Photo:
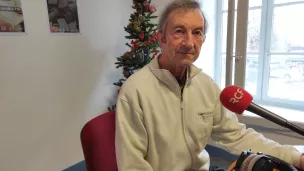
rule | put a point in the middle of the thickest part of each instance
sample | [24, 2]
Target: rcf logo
[238, 95]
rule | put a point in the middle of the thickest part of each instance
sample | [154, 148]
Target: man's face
[183, 36]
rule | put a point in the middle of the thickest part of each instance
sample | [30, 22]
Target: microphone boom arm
[274, 118]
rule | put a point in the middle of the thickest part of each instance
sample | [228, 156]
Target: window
[274, 72]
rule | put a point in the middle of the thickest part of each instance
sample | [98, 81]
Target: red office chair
[98, 143]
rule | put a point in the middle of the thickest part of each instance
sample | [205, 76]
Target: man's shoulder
[202, 76]
[139, 79]
[206, 82]
[140, 75]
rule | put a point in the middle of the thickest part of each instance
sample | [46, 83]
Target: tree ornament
[141, 18]
[141, 36]
[147, 6]
[137, 28]
[125, 73]
[152, 8]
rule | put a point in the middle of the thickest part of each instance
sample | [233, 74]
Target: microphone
[237, 100]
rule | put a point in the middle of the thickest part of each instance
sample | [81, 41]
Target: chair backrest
[98, 143]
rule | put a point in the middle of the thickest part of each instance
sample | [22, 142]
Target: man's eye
[198, 33]
[179, 31]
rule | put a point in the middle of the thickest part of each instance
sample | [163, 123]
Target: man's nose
[188, 40]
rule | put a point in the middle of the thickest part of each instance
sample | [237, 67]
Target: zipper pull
[182, 104]
[202, 115]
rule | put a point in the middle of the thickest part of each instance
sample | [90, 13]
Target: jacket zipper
[183, 124]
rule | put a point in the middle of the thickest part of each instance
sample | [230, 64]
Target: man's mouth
[186, 53]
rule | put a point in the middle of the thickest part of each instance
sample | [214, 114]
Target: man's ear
[160, 38]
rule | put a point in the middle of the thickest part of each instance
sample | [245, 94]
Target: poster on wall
[11, 16]
[63, 16]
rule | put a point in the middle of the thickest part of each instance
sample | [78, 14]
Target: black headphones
[249, 161]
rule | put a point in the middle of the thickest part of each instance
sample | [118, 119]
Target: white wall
[51, 85]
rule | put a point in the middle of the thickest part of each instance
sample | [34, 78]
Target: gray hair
[180, 4]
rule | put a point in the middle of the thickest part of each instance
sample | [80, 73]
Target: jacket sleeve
[130, 138]
[234, 136]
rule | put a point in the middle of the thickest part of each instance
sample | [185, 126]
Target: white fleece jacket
[158, 128]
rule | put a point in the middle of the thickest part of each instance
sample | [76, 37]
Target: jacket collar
[167, 78]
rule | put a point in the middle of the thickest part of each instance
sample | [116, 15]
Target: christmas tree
[143, 45]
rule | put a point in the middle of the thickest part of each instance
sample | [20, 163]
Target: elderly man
[167, 111]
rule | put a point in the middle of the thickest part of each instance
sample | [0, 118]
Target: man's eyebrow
[199, 28]
[179, 26]
[183, 27]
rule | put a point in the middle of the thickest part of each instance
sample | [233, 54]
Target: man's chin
[186, 62]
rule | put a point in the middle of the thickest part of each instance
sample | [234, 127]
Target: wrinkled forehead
[186, 17]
